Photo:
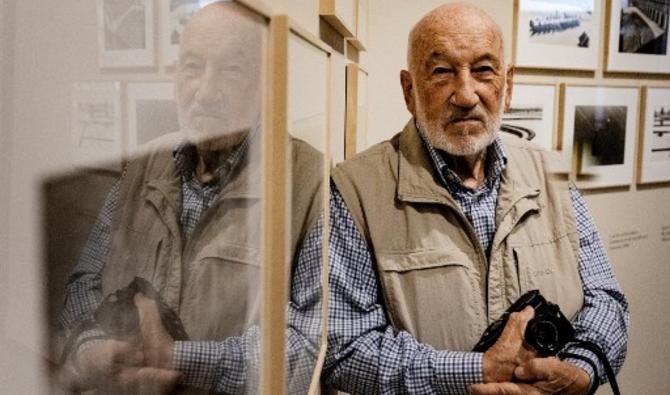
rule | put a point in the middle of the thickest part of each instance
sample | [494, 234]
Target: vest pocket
[551, 268]
[222, 295]
[434, 295]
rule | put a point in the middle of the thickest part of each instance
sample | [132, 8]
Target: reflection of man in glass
[187, 219]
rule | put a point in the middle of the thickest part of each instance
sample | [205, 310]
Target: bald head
[451, 19]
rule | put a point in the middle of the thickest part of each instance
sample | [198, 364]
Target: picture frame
[174, 15]
[308, 88]
[338, 89]
[654, 153]
[151, 112]
[126, 36]
[557, 34]
[96, 127]
[638, 37]
[533, 115]
[341, 15]
[357, 110]
[361, 34]
[599, 128]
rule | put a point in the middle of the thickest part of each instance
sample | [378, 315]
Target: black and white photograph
[96, 124]
[175, 16]
[600, 134]
[560, 34]
[599, 130]
[152, 112]
[655, 152]
[644, 26]
[126, 33]
[560, 22]
[531, 113]
[638, 36]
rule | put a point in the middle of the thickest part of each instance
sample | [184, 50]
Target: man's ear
[408, 91]
[509, 87]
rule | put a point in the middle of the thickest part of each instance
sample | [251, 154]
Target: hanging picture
[558, 34]
[151, 112]
[357, 110]
[599, 129]
[96, 124]
[532, 113]
[638, 36]
[175, 14]
[126, 33]
[340, 14]
[655, 144]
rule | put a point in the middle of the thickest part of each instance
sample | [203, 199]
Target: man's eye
[484, 69]
[442, 70]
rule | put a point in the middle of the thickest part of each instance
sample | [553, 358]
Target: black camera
[117, 315]
[547, 333]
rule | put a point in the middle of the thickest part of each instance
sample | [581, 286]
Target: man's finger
[504, 389]
[516, 324]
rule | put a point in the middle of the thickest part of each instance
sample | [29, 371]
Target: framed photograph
[308, 89]
[151, 112]
[96, 125]
[175, 14]
[654, 159]
[356, 122]
[338, 98]
[361, 36]
[341, 14]
[558, 34]
[638, 36]
[126, 33]
[600, 125]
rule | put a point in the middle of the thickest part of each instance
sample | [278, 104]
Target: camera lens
[543, 335]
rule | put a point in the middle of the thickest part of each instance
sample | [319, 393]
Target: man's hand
[157, 343]
[540, 376]
[509, 351]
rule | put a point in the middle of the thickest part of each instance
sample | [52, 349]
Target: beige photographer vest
[437, 282]
[211, 279]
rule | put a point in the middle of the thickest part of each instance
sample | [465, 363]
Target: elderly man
[437, 231]
[188, 221]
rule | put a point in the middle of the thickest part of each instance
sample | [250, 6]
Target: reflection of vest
[211, 279]
[436, 280]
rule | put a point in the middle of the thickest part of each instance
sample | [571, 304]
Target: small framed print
[175, 15]
[126, 33]
[151, 112]
[638, 36]
[341, 14]
[654, 159]
[599, 129]
[361, 38]
[356, 120]
[96, 125]
[558, 34]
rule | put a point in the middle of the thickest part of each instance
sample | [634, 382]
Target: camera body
[548, 332]
[117, 315]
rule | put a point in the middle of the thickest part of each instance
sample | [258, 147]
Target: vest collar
[418, 181]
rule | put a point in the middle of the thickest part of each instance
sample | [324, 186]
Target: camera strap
[594, 348]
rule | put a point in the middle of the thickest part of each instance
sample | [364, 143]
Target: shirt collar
[185, 156]
[496, 160]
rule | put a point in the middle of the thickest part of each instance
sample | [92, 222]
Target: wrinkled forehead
[222, 27]
[461, 30]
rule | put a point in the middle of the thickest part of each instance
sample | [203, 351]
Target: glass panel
[154, 258]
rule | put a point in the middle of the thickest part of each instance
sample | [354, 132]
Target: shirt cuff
[209, 365]
[582, 364]
[459, 370]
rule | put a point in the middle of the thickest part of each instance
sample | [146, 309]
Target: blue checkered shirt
[229, 366]
[366, 355]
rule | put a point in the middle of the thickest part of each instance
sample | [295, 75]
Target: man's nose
[209, 88]
[464, 94]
